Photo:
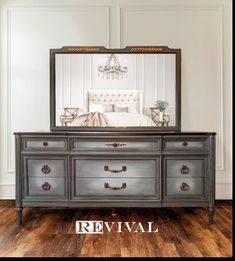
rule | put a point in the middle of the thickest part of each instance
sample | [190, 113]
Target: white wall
[154, 74]
[201, 28]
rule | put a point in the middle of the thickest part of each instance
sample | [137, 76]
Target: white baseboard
[223, 191]
[7, 191]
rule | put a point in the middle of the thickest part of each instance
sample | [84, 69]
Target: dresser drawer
[116, 187]
[46, 187]
[185, 167]
[45, 167]
[116, 167]
[115, 145]
[44, 144]
[180, 187]
[185, 144]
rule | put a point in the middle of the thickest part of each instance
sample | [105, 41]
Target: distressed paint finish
[163, 192]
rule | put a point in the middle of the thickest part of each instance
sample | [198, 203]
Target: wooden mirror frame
[127, 50]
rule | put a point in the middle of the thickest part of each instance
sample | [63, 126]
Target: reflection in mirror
[115, 90]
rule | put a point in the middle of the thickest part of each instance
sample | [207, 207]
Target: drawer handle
[106, 185]
[184, 169]
[115, 145]
[185, 143]
[45, 143]
[46, 186]
[46, 169]
[106, 168]
[184, 186]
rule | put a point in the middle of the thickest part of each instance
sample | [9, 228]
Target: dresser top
[99, 134]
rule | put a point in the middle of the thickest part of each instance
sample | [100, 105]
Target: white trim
[135, 70]
[221, 93]
[7, 191]
[69, 84]
[164, 76]
[143, 83]
[91, 70]
[107, 27]
[156, 78]
[8, 118]
[223, 191]
[119, 26]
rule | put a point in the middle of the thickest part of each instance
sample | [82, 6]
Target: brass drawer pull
[46, 169]
[45, 143]
[106, 185]
[46, 186]
[115, 145]
[184, 169]
[106, 168]
[185, 143]
[184, 186]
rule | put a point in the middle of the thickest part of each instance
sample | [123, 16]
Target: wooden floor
[51, 232]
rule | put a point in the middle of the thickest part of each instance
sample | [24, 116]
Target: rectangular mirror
[131, 89]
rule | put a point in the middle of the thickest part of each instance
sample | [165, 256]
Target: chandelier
[112, 69]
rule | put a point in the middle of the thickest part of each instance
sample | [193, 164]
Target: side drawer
[79, 144]
[116, 187]
[44, 144]
[185, 143]
[44, 167]
[45, 187]
[185, 188]
[116, 167]
[184, 167]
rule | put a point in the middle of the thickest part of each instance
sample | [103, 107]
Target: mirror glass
[115, 90]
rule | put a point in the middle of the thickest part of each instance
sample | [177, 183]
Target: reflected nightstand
[70, 113]
[160, 118]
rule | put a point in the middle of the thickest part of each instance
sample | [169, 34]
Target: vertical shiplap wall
[201, 28]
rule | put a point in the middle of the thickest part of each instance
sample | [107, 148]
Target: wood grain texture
[183, 232]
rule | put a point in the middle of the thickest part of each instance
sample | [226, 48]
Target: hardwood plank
[50, 232]
[202, 237]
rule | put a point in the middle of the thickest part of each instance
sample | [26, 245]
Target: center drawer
[116, 167]
[117, 187]
[79, 144]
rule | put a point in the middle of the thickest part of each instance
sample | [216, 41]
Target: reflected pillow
[131, 107]
[99, 107]
[120, 108]
[108, 107]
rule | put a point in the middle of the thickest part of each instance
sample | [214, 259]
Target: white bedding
[117, 119]
[122, 119]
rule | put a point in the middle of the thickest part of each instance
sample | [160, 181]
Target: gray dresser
[66, 169]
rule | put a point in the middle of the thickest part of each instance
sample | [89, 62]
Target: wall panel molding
[31, 10]
[215, 8]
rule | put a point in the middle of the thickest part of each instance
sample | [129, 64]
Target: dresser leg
[211, 215]
[114, 213]
[19, 215]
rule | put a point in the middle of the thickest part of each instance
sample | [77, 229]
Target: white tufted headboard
[109, 96]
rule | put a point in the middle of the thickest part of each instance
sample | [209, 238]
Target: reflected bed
[116, 108]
